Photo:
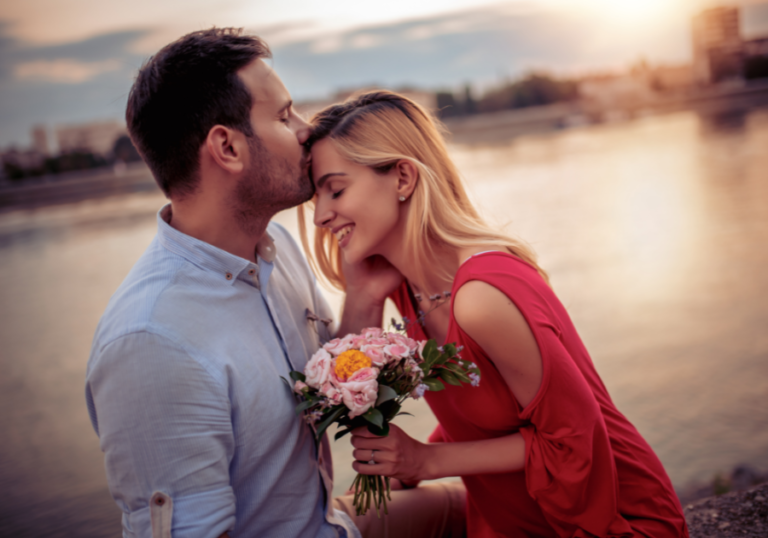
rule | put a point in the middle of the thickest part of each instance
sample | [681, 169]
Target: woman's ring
[372, 461]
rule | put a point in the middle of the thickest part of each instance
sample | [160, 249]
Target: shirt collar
[207, 256]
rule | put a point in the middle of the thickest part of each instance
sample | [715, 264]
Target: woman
[539, 444]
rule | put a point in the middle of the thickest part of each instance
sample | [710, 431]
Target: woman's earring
[402, 198]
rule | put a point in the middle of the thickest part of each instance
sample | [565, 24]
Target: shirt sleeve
[164, 424]
[569, 463]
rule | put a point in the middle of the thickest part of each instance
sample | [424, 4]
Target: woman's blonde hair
[378, 129]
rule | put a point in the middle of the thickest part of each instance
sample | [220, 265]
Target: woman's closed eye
[336, 194]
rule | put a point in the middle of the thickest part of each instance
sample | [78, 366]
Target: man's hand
[369, 283]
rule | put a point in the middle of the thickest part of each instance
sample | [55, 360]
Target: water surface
[654, 233]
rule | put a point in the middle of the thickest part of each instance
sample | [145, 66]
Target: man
[183, 389]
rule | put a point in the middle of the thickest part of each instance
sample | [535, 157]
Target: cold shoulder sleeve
[569, 464]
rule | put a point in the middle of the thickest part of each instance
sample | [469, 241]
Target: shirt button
[229, 276]
[251, 272]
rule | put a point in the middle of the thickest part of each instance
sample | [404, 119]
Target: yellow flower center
[350, 362]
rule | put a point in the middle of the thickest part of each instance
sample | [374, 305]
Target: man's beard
[270, 185]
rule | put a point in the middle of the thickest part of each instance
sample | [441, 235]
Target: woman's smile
[343, 234]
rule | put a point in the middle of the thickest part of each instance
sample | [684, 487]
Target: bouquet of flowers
[363, 379]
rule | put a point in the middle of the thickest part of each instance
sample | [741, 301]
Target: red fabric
[588, 472]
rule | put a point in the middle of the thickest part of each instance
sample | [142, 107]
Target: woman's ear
[228, 148]
[407, 175]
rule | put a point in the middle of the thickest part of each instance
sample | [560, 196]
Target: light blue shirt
[183, 389]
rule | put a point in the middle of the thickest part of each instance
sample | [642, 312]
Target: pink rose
[376, 342]
[358, 341]
[360, 391]
[338, 346]
[372, 332]
[397, 351]
[331, 392]
[318, 368]
[375, 353]
[299, 386]
[396, 338]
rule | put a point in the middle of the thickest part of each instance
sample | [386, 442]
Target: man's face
[277, 176]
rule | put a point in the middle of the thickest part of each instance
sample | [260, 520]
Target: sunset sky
[74, 61]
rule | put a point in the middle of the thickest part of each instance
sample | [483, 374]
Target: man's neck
[210, 224]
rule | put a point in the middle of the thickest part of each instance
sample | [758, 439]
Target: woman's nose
[323, 216]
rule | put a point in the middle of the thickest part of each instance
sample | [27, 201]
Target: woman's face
[360, 206]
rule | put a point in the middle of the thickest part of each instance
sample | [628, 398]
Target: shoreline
[742, 514]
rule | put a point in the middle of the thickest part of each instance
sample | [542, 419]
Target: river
[654, 233]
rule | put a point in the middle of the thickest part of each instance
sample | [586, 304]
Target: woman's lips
[343, 234]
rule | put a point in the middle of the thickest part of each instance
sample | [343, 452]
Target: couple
[199, 434]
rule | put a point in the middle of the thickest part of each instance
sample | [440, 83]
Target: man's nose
[303, 132]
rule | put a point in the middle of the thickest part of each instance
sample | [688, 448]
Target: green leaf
[450, 350]
[341, 433]
[330, 417]
[430, 352]
[298, 376]
[391, 411]
[385, 394]
[447, 376]
[374, 416]
[435, 385]
[306, 404]
[375, 430]
[457, 370]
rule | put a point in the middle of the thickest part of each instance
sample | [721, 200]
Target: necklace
[435, 301]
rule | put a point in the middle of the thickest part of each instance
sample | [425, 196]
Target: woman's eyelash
[336, 194]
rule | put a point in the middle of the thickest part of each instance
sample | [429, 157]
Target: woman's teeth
[341, 234]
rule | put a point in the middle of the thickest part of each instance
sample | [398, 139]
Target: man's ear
[228, 148]
[407, 175]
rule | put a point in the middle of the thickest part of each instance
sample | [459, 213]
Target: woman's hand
[396, 455]
[374, 278]
[369, 283]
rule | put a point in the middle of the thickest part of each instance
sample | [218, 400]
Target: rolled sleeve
[164, 424]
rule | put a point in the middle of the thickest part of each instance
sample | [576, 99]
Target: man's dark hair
[184, 90]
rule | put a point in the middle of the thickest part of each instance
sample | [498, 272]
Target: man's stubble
[270, 185]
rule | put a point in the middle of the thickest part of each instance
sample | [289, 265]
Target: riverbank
[508, 124]
[741, 514]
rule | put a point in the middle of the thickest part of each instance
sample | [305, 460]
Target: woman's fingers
[367, 455]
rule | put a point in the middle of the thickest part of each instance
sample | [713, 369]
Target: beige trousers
[433, 510]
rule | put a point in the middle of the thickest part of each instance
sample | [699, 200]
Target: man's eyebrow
[323, 179]
[286, 106]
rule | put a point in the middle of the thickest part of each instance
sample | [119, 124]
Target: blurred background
[627, 142]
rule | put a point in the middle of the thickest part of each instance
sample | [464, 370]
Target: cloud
[64, 71]
[479, 46]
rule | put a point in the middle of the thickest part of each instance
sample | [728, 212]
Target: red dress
[587, 472]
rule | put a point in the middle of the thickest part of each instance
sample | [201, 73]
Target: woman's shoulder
[497, 267]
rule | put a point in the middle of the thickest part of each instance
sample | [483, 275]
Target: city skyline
[83, 73]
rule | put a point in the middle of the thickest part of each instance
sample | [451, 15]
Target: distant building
[717, 45]
[96, 137]
[40, 139]
[719, 51]
[672, 77]
[616, 91]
